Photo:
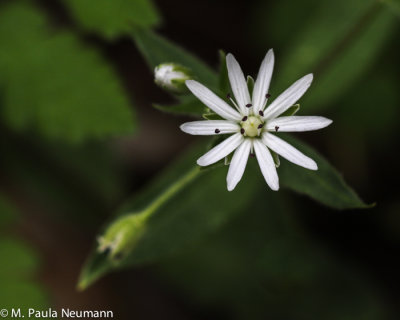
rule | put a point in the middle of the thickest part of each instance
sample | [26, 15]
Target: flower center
[251, 126]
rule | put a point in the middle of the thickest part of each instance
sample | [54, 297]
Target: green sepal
[250, 84]
[291, 111]
[275, 156]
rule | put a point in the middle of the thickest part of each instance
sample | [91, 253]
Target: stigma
[251, 126]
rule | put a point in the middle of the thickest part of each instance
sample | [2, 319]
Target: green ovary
[251, 126]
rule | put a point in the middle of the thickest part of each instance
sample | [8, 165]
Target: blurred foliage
[338, 43]
[79, 182]
[197, 207]
[374, 103]
[18, 268]
[393, 5]
[236, 255]
[53, 83]
[113, 18]
[187, 215]
[262, 266]
[187, 106]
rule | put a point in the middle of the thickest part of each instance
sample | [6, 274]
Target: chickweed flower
[251, 124]
[171, 77]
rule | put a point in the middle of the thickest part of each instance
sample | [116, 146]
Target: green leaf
[393, 5]
[325, 185]
[114, 18]
[178, 209]
[156, 50]
[339, 74]
[19, 265]
[53, 83]
[263, 266]
[337, 43]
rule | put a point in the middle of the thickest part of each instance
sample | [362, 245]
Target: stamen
[276, 128]
[260, 126]
[217, 131]
[252, 155]
[244, 118]
[249, 105]
[261, 113]
[242, 131]
[229, 97]
[267, 96]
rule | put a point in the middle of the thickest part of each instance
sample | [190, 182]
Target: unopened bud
[172, 77]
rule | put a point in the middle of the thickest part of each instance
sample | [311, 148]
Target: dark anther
[217, 131]
[242, 131]
[244, 118]
[276, 128]
[228, 96]
[261, 113]
[267, 96]
[260, 126]
[252, 155]
[249, 105]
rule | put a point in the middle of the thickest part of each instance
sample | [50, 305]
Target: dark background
[361, 144]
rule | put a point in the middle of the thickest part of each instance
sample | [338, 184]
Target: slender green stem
[173, 189]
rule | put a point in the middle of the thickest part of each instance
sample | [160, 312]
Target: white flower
[252, 126]
[171, 76]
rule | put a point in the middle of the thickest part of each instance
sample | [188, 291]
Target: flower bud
[172, 77]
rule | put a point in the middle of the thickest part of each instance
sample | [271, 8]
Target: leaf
[262, 266]
[393, 5]
[175, 211]
[325, 185]
[114, 18]
[63, 176]
[343, 71]
[53, 83]
[337, 43]
[187, 106]
[156, 50]
[19, 264]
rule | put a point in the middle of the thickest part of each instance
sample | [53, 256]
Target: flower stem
[173, 189]
[123, 234]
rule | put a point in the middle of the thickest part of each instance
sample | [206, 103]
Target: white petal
[267, 164]
[238, 83]
[288, 152]
[298, 123]
[209, 127]
[220, 151]
[238, 164]
[261, 85]
[211, 100]
[288, 97]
